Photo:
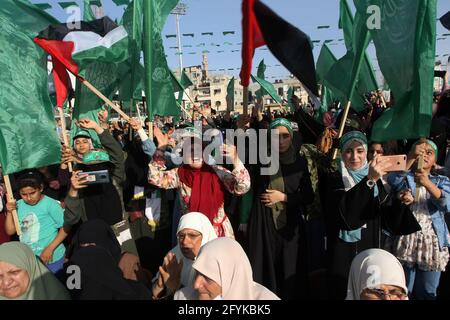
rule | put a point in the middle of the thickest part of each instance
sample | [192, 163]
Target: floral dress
[236, 182]
[421, 248]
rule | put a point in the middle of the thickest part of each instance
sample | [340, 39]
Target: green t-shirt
[40, 224]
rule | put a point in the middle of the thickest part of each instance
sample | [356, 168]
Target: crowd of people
[142, 216]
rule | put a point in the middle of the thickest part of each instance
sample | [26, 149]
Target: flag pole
[104, 98]
[138, 112]
[245, 101]
[130, 130]
[419, 167]
[9, 195]
[342, 125]
[63, 131]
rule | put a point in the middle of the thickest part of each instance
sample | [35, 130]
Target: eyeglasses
[383, 294]
[190, 236]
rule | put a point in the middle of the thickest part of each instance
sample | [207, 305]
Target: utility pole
[179, 10]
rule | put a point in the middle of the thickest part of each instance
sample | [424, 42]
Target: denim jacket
[437, 207]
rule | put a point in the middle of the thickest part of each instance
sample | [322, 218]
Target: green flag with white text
[158, 83]
[28, 137]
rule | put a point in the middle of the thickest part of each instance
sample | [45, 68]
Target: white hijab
[224, 261]
[372, 268]
[199, 222]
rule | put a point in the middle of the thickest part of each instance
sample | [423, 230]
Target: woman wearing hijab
[376, 274]
[104, 275]
[224, 273]
[194, 231]
[357, 208]
[276, 243]
[202, 186]
[24, 277]
[97, 232]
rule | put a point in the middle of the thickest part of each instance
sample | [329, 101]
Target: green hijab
[276, 181]
[43, 284]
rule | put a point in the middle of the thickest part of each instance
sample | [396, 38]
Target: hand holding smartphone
[94, 177]
[396, 162]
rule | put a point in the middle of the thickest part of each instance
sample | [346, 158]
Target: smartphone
[396, 163]
[95, 177]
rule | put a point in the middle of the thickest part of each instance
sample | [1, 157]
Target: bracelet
[370, 183]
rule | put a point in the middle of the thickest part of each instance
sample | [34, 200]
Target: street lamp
[179, 10]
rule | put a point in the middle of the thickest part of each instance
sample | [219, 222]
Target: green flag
[43, 6]
[158, 84]
[261, 70]
[290, 94]
[267, 87]
[105, 77]
[406, 58]
[260, 73]
[133, 24]
[230, 95]
[88, 14]
[121, 2]
[352, 74]
[28, 137]
[367, 79]
[325, 62]
[185, 81]
[126, 88]
[180, 85]
[68, 4]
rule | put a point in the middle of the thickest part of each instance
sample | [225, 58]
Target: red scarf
[207, 191]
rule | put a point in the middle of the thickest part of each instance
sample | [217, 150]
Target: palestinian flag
[289, 45]
[251, 39]
[100, 40]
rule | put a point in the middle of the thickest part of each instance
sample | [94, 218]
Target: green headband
[351, 136]
[431, 143]
[96, 156]
[282, 122]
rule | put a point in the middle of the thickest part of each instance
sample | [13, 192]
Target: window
[217, 91]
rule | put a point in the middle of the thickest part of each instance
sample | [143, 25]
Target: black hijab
[101, 277]
[101, 201]
[98, 232]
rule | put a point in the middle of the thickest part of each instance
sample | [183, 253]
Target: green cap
[96, 156]
[82, 133]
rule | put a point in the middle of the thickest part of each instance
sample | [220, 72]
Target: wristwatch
[370, 183]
